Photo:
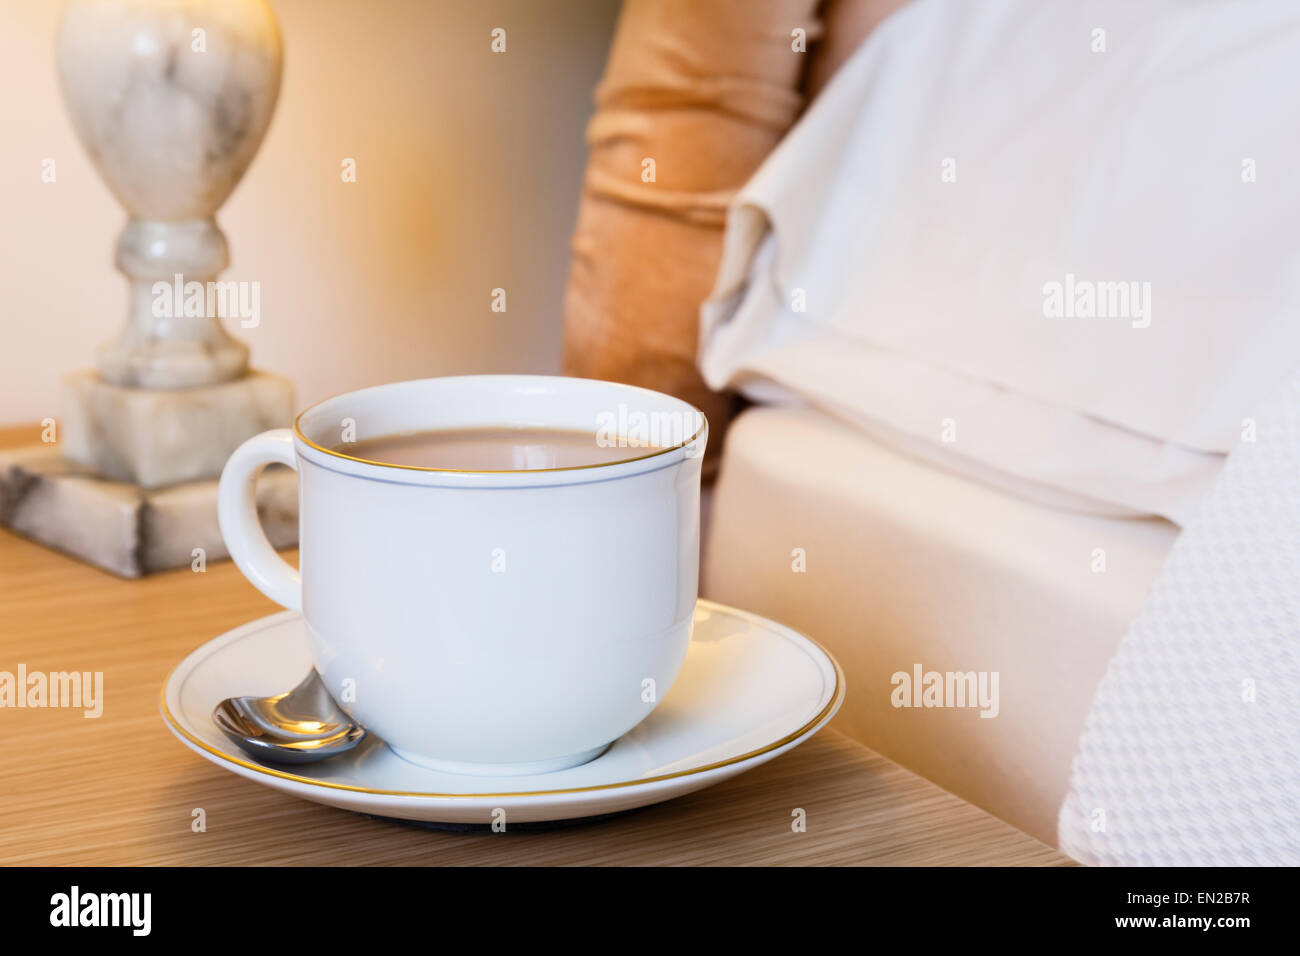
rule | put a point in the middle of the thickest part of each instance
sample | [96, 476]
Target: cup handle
[237, 515]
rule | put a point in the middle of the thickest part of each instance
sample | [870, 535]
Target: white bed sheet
[1046, 239]
[908, 564]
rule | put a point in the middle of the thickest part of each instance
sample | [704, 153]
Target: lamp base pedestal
[157, 437]
[123, 528]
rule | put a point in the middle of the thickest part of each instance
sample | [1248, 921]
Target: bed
[908, 564]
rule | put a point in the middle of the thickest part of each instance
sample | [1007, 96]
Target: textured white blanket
[1191, 751]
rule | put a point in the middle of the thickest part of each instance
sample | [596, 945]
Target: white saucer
[750, 690]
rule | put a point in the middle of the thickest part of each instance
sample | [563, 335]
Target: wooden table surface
[121, 790]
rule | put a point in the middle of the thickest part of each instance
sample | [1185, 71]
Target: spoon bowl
[301, 726]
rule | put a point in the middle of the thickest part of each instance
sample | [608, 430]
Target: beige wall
[468, 167]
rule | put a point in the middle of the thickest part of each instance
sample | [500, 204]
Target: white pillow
[918, 254]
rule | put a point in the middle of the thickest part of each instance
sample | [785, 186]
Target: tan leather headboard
[695, 95]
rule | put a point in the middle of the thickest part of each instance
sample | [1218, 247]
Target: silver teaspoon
[302, 726]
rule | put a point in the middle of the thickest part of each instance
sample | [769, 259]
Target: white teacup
[486, 622]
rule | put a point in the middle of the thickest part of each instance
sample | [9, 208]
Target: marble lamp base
[121, 527]
[159, 437]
